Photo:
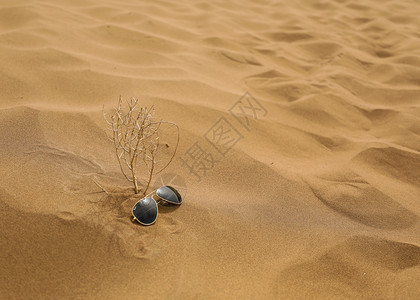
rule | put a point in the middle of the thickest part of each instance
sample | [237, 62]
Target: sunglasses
[145, 211]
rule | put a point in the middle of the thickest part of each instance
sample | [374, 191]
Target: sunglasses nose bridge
[154, 193]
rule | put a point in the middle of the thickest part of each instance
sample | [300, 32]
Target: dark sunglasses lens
[169, 194]
[145, 211]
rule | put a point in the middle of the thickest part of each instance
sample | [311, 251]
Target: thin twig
[100, 186]
[135, 134]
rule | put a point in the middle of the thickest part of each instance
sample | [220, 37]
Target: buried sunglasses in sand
[145, 211]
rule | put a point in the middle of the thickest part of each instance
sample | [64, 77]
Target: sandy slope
[318, 200]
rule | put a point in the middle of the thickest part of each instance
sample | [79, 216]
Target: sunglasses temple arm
[149, 194]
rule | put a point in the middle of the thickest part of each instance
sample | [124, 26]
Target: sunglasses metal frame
[157, 212]
[153, 193]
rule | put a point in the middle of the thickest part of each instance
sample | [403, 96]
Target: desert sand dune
[351, 269]
[317, 199]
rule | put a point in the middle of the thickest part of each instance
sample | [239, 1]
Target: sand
[315, 195]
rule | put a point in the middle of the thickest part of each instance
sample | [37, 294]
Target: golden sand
[316, 194]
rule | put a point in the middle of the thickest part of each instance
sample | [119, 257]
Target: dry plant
[135, 135]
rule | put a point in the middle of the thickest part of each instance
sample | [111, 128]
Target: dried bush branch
[135, 135]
